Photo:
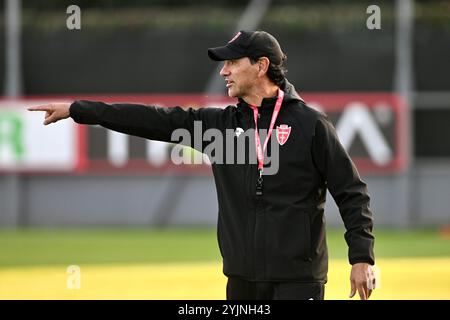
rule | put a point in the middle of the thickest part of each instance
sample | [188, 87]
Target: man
[271, 228]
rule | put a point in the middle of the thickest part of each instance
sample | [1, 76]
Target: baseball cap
[252, 44]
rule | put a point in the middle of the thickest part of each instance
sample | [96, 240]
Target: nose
[224, 71]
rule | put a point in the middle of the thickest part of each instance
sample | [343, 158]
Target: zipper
[252, 219]
[259, 226]
[256, 227]
[258, 257]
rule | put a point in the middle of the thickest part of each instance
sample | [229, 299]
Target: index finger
[44, 107]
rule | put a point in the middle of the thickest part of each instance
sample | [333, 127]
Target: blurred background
[136, 225]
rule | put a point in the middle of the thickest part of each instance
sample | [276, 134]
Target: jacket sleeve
[150, 122]
[348, 190]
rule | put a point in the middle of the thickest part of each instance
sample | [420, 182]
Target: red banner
[372, 127]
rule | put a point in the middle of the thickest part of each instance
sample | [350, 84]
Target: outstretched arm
[150, 122]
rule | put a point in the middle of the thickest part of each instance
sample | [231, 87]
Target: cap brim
[223, 53]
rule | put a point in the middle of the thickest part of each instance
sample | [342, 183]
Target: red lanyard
[260, 151]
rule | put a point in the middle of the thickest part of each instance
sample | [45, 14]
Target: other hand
[362, 279]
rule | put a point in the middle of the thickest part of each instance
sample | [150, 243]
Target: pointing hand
[53, 111]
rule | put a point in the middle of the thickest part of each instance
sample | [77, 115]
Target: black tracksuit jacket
[280, 235]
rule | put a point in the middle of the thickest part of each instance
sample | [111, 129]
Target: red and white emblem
[283, 132]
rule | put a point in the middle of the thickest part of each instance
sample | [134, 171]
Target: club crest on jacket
[283, 132]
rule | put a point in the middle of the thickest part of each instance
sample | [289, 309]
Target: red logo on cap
[235, 37]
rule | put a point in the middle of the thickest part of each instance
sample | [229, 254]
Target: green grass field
[185, 264]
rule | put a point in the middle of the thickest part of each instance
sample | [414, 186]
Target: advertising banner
[372, 127]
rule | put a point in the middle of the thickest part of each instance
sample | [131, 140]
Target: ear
[263, 66]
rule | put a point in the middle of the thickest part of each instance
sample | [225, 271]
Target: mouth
[229, 83]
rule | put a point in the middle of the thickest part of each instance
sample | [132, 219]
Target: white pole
[403, 82]
[13, 89]
[13, 74]
[404, 48]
